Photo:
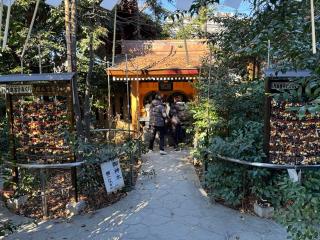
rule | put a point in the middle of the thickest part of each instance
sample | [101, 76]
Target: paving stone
[171, 206]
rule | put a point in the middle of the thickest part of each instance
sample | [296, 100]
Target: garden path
[170, 206]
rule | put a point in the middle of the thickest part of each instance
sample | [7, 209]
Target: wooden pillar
[70, 106]
[135, 104]
[12, 145]
[267, 127]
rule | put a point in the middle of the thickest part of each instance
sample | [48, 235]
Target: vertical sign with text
[112, 175]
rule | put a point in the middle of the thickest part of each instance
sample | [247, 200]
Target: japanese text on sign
[18, 89]
[112, 175]
[283, 85]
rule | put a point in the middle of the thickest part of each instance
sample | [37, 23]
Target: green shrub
[297, 204]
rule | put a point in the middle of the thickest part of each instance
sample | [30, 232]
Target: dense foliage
[229, 118]
[90, 176]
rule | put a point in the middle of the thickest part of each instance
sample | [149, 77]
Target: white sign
[16, 89]
[294, 175]
[112, 175]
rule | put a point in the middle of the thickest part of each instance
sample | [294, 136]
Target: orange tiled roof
[164, 55]
[154, 61]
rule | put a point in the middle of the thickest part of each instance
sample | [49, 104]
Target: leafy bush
[90, 177]
[231, 182]
[7, 228]
[297, 204]
[245, 143]
[237, 106]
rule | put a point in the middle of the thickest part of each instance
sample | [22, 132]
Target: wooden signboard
[289, 140]
[165, 86]
[36, 89]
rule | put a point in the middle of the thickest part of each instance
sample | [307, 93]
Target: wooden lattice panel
[293, 141]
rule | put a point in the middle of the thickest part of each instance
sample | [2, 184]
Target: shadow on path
[171, 205]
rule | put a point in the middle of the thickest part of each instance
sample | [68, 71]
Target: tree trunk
[73, 25]
[68, 35]
[87, 93]
[70, 24]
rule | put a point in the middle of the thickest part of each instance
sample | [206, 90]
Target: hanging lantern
[232, 3]
[108, 4]
[183, 4]
[54, 3]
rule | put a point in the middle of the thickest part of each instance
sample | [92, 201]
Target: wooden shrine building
[168, 67]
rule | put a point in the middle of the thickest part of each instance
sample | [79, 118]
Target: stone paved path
[171, 206]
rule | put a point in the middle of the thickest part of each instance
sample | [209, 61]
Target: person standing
[175, 114]
[158, 118]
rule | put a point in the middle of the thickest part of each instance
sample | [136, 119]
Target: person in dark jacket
[158, 118]
[178, 116]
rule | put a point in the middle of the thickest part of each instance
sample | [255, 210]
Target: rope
[48, 166]
[112, 130]
[267, 165]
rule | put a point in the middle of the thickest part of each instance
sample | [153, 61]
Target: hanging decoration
[183, 5]
[54, 3]
[108, 4]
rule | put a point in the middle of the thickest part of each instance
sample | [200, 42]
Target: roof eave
[43, 77]
[154, 72]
